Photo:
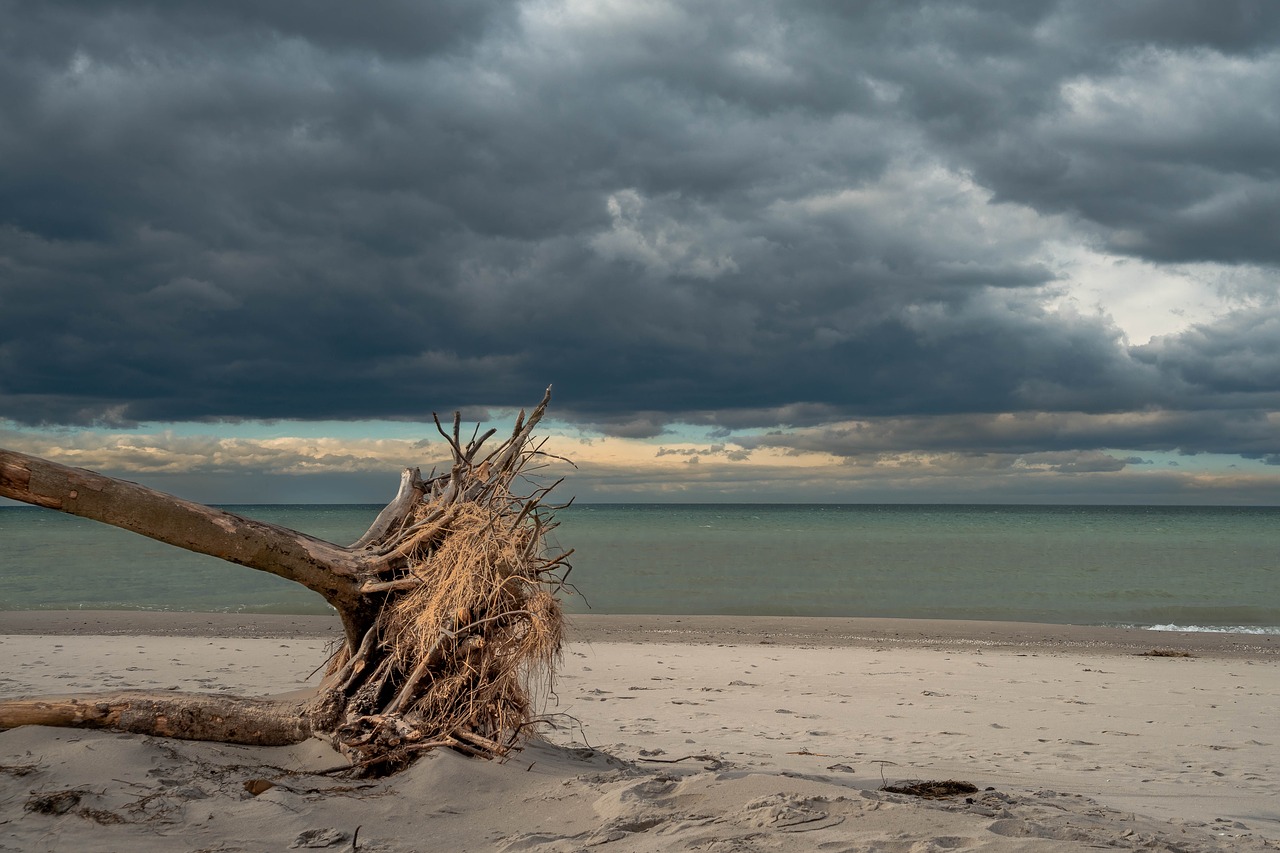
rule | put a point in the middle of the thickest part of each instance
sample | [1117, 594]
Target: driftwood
[448, 604]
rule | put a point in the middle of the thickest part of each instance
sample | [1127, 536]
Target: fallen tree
[448, 603]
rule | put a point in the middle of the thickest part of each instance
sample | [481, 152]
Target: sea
[1162, 568]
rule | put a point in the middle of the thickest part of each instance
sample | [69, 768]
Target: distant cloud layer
[840, 229]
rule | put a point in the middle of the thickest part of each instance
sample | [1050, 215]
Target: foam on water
[1214, 629]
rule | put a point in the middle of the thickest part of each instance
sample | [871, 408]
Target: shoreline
[799, 631]
[679, 732]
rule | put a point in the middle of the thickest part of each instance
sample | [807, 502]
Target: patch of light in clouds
[1146, 300]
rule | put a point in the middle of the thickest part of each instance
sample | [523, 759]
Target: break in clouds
[844, 228]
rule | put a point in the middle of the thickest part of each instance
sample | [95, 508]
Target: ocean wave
[1217, 629]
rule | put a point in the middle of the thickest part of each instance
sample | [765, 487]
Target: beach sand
[683, 733]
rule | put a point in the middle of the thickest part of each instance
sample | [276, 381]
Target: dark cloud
[728, 214]
[399, 27]
[692, 454]
[1147, 125]
[1236, 26]
[1236, 358]
[1250, 433]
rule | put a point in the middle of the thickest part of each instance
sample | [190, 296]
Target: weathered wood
[188, 716]
[439, 639]
[334, 572]
[331, 570]
[394, 514]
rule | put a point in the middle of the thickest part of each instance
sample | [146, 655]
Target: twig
[703, 757]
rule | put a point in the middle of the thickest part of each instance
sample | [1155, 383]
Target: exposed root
[448, 605]
[468, 622]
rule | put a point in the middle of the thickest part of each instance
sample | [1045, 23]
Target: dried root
[469, 623]
[448, 606]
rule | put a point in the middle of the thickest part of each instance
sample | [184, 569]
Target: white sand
[783, 748]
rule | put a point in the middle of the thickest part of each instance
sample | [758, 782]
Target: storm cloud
[780, 218]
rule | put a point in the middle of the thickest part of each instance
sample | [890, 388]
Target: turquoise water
[1211, 568]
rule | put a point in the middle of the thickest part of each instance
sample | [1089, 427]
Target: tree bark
[227, 719]
[335, 572]
[447, 604]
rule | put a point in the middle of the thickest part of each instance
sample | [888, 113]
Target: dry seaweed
[932, 790]
[54, 802]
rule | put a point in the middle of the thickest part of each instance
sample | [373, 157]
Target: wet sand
[703, 630]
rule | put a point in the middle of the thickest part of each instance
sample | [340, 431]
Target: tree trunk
[333, 571]
[447, 605]
[258, 722]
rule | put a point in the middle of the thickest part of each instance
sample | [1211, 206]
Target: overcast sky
[765, 251]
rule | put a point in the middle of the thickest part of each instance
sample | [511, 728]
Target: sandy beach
[695, 733]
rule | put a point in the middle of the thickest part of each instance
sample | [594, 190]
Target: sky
[989, 252]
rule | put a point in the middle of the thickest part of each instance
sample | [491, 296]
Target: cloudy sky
[765, 251]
